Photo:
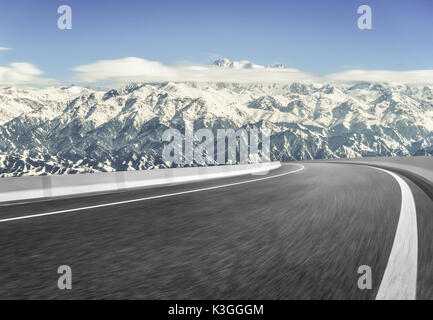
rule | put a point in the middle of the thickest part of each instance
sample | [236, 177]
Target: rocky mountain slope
[75, 129]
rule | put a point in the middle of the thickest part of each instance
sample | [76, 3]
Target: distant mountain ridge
[75, 129]
[244, 64]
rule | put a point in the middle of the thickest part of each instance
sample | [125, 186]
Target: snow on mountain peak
[75, 129]
[244, 64]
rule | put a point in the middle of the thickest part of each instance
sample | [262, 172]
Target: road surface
[299, 232]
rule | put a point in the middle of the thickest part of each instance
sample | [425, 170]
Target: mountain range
[74, 129]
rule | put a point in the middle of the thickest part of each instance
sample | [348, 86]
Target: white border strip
[147, 198]
[399, 279]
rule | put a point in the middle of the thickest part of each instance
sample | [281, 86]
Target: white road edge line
[149, 198]
[399, 279]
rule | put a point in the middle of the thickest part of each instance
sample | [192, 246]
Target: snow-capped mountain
[75, 129]
[244, 64]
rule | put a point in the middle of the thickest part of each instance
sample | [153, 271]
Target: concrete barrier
[25, 188]
[421, 166]
[12, 189]
[426, 173]
[83, 183]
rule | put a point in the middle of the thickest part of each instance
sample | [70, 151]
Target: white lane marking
[399, 279]
[148, 198]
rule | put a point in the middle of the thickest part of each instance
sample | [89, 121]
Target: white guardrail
[37, 187]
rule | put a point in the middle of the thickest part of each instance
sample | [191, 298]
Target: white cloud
[4, 49]
[415, 76]
[136, 69]
[133, 69]
[19, 73]
[140, 70]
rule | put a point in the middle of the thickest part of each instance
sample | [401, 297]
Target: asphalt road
[300, 235]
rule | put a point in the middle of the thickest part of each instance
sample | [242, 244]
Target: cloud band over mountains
[133, 69]
[137, 69]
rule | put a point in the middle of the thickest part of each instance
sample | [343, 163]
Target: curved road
[295, 233]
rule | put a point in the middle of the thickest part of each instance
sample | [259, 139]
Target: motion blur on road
[298, 234]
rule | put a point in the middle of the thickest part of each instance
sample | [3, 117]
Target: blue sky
[318, 37]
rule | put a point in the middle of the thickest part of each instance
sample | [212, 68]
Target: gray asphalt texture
[298, 236]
